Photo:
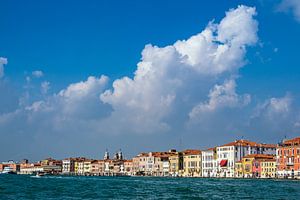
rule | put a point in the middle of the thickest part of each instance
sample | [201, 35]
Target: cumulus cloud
[220, 96]
[274, 107]
[164, 73]
[3, 61]
[78, 100]
[37, 74]
[171, 86]
[291, 5]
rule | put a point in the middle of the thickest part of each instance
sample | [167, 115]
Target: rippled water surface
[58, 187]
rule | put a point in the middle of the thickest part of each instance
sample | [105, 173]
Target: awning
[223, 163]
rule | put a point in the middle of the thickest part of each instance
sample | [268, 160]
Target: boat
[8, 170]
[39, 174]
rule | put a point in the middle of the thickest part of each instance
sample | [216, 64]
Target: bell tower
[106, 155]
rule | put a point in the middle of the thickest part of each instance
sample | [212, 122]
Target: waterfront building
[87, 166]
[139, 164]
[15, 167]
[161, 163]
[229, 154]
[152, 163]
[209, 163]
[251, 165]
[192, 163]
[176, 164]
[288, 158]
[68, 166]
[97, 168]
[238, 169]
[114, 166]
[128, 165]
[80, 170]
[268, 168]
[51, 161]
[38, 167]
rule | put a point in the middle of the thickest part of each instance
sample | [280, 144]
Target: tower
[116, 156]
[120, 155]
[106, 155]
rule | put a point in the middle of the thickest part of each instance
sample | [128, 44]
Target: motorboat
[8, 170]
[39, 174]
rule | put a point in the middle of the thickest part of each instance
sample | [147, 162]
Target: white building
[166, 167]
[209, 163]
[68, 166]
[80, 166]
[34, 169]
[229, 154]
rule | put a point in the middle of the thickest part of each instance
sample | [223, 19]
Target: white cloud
[37, 74]
[3, 61]
[75, 100]
[165, 74]
[45, 86]
[219, 97]
[274, 107]
[291, 5]
[167, 84]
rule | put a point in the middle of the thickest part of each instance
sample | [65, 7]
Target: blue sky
[70, 41]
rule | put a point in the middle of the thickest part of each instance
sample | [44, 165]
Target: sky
[79, 77]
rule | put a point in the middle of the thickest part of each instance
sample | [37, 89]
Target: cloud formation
[291, 6]
[45, 86]
[165, 73]
[37, 74]
[274, 107]
[3, 61]
[192, 81]
[220, 96]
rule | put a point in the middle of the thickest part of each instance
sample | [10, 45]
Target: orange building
[288, 158]
[15, 167]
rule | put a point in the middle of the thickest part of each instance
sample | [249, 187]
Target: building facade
[192, 165]
[229, 154]
[176, 164]
[209, 163]
[288, 158]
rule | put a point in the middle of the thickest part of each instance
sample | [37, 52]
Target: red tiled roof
[259, 156]
[248, 143]
[191, 152]
[294, 141]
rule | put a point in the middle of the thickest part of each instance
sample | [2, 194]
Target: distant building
[68, 166]
[251, 166]
[192, 165]
[176, 164]
[14, 167]
[209, 163]
[288, 158]
[229, 154]
[268, 168]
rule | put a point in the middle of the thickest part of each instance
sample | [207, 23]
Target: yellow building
[192, 163]
[77, 165]
[176, 164]
[268, 168]
[247, 163]
[250, 166]
[238, 169]
[87, 167]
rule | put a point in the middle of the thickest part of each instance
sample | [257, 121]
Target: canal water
[63, 187]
